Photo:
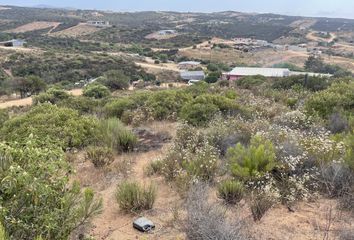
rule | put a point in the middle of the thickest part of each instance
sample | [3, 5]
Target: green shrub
[117, 107]
[253, 161]
[310, 83]
[100, 156]
[115, 80]
[96, 91]
[166, 104]
[116, 136]
[212, 77]
[131, 197]
[82, 104]
[203, 108]
[349, 155]
[3, 234]
[191, 154]
[34, 182]
[4, 116]
[48, 122]
[198, 114]
[53, 95]
[155, 167]
[231, 191]
[291, 102]
[338, 97]
[252, 81]
[203, 163]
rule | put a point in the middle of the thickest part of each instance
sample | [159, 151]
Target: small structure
[188, 64]
[167, 32]
[13, 43]
[192, 75]
[240, 72]
[99, 23]
[311, 74]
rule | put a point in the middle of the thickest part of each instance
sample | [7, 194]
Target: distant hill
[132, 27]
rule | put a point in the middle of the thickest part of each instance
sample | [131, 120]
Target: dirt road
[28, 101]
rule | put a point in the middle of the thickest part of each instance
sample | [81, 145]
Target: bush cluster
[131, 197]
[100, 156]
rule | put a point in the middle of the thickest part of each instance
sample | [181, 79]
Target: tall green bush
[96, 91]
[51, 123]
[115, 135]
[36, 197]
[339, 96]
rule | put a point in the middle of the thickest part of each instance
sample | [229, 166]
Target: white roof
[311, 74]
[189, 63]
[267, 72]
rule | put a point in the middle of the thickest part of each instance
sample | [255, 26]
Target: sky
[323, 8]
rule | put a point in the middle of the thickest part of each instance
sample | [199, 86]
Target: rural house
[239, 72]
[98, 23]
[13, 43]
[192, 75]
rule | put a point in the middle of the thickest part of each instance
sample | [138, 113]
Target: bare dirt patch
[34, 26]
[15, 102]
[158, 36]
[81, 29]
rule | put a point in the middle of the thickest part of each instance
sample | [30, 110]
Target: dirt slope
[33, 27]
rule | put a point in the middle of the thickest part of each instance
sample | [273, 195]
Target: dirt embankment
[33, 26]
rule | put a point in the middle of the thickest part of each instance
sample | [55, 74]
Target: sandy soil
[7, 103]
[162, 66]
[308, 221]
[113, 224]
[79, 30]
[158, 36]
[34, 26]
[311, 36]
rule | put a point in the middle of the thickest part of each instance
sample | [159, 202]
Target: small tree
[115, 80]
[29, 86]
[252, 161]
[96, 91]
[314, 64]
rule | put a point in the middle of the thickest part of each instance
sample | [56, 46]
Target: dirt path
[313, 37]
[163, 66]
[28, 101]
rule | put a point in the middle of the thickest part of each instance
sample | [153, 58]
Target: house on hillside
[192, 75]
[240, 72]
[188, 65]
[167, 32]
[13, 43]
[99, 23]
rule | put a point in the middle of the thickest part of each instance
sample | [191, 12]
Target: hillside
[226, 125]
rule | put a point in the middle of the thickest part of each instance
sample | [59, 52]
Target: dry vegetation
[81, 29]
[33, 27]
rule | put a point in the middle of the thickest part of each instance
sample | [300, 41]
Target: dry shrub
[155, 167]
[100, 156]
[260, 204]
[207, 221]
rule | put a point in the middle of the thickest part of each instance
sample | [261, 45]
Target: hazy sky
[327, 8]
